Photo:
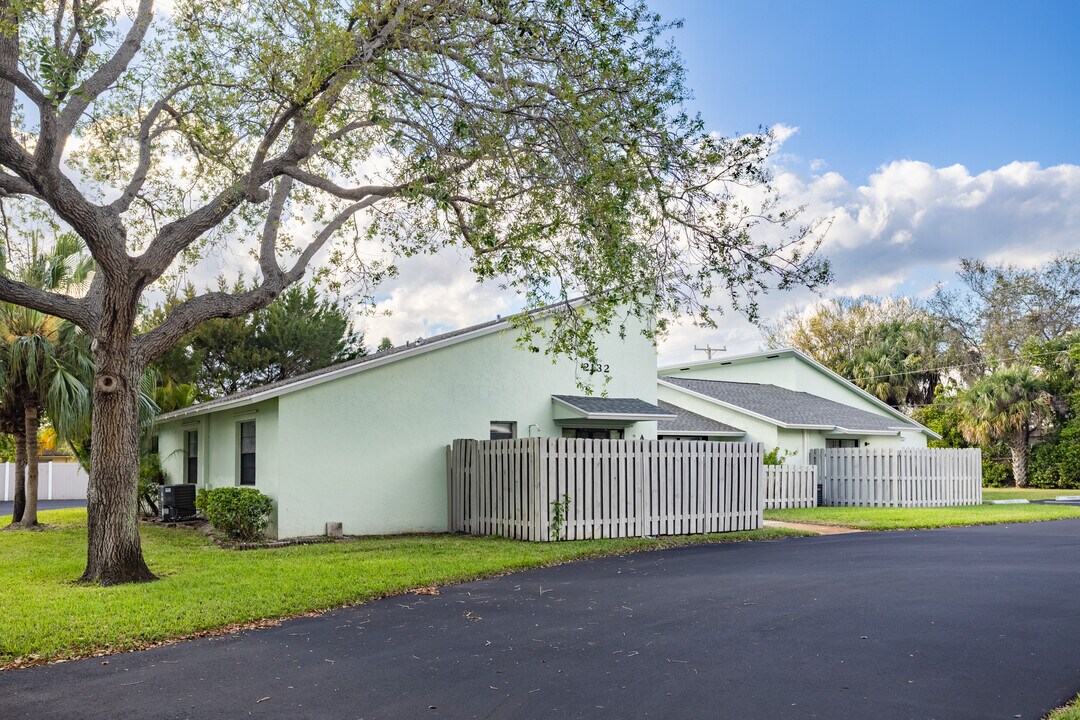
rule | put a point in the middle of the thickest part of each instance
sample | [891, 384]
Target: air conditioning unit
[177, 502]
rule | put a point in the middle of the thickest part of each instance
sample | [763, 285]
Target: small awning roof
[606, 408]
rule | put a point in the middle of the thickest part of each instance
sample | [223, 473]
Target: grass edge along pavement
[207, 590]
[1067, 712]
[868, 518]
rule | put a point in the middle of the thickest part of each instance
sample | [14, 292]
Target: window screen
[503, 430]
[247, 453]
[191, 446]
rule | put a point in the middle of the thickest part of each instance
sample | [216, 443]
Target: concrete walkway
[815, 528]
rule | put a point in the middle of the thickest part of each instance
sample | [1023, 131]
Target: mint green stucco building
[364, 443]
[783, 399]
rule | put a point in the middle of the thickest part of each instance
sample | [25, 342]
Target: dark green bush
[1055, 462]
[996, 473]
[242, 513]
[151, 476]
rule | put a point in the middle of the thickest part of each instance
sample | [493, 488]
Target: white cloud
[901, 231]
[432, 294]
[906, 227]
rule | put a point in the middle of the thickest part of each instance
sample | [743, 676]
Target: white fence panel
[56, 481]
[790, 486]
[887, 477]
[607, 488]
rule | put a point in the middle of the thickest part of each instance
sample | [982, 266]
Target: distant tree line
[991, 361]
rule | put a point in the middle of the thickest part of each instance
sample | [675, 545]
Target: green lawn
[203, 587]
[913, 518]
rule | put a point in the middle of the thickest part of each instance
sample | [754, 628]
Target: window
[501, 430]
[247, 453]
[191, 446]
[154, 445]
[592, 433]
[841, 443]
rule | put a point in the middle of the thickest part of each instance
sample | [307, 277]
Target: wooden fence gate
[790, 486]
[603, 488]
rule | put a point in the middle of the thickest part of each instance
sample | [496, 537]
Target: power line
[958, 366]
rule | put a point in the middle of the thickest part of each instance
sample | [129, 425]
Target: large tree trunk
[1018, 448]
[20, 476]
[29, 517]
[114, 553]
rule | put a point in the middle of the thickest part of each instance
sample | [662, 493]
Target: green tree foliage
[45, 364]
[945, 416]
[1006, 406]
[1000, 308]
[1055, 461]
[547, 140]
[299, 332]
[385, 344]
[890, 347]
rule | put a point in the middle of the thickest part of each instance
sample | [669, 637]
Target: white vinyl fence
[604, 488]
[790, 486]
[882, 477]
[56, 481]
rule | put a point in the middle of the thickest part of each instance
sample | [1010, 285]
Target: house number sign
[593, 368]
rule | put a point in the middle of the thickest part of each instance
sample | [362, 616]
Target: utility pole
[709, 350]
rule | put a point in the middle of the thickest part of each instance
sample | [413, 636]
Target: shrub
[996, 473]
[1055, 462]
[774, 457]
[242, 513]
[151, 476]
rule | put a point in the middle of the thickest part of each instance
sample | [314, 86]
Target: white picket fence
[56, 481]
[606, 488]
[884, 477]
[790, 486]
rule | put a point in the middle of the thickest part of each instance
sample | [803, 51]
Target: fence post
[7, 481]
[50, 480]
[639, 487]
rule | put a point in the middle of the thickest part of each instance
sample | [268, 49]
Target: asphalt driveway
[956, 623]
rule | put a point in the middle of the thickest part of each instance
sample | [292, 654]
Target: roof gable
[721, 364]
[790, 408]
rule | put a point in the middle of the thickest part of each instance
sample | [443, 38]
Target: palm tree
[1006, 406]
[45, 361]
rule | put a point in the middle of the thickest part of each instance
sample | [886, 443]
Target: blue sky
[976, 83]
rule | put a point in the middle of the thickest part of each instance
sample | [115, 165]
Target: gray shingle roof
[688, 423]
[592, 404]
[790, 407]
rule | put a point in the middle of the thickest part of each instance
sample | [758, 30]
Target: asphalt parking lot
[954, 623]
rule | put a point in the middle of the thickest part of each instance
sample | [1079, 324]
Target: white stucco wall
[369, 449]
[219, 447]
